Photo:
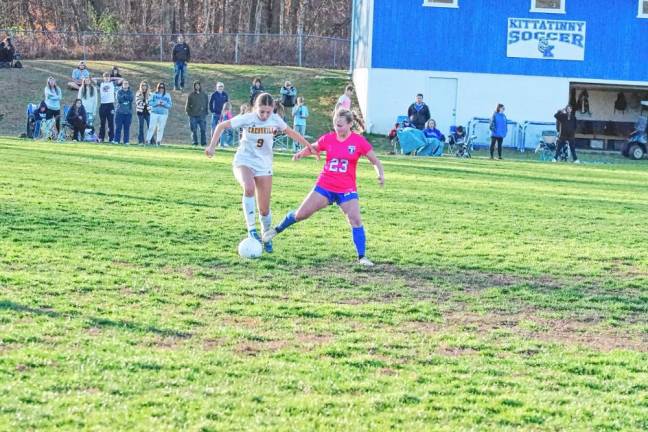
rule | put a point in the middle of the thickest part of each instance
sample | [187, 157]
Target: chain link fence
[230, 48]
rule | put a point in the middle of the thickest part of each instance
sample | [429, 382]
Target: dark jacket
[196, 105]
[566, 125]
[216, 102]
[181, 52]
[419, 116]
[254, 92]
[76, 118]
[124, 102]
[5, 53]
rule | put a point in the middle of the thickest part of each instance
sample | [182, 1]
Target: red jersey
[339, 172]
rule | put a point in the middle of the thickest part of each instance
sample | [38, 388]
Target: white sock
[266, 221]
[249, 211]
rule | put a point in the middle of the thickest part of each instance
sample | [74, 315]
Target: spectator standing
[418, 113]
[228, 134]
[499, 128]
[288, 96]
[255, 90]
[160, 104]
[53, 97]
[181, 56]
[300, 114]
[5, 56]
[217, 101]
[79, 74]
[115, 76]
[106, 108]
[344, 101]
[88, 95]
[143, 110]
[566, 120]
[77, 117]
[124, 113]
[196, 108]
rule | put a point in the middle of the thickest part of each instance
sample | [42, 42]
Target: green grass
[320, 87]
[507, 296]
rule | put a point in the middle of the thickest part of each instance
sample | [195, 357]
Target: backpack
[17, 64]
[621, 104]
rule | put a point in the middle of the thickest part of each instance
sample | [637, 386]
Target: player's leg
[245, 177]
[314, 202]
[263, 193]
[351, 210]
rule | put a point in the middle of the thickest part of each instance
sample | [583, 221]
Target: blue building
[534, 56]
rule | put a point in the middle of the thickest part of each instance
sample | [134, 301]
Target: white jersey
[107, 92]
[255, 149]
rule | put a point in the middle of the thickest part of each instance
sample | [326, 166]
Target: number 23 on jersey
[338, 165]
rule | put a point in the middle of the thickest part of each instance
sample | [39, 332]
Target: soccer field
[507, 296]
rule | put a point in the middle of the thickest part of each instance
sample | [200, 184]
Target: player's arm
[211, 148]
[377, 167]
[312, 149]
[301, 140]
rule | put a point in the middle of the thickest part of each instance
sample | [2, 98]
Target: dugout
[606, 114]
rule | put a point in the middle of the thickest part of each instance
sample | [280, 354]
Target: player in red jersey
[337, 181]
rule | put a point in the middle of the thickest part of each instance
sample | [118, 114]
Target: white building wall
[384, 94]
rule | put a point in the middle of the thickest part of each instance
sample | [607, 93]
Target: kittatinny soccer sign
[546, 39]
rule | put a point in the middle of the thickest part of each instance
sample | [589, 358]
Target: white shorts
[258, 166]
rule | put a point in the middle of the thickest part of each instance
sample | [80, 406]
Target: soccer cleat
[364, 261]
[269, 235]
[577, 161]
[253, 233]
[267, 247]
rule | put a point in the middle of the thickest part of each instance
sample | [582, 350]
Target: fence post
[236, 49]
[161, 48]
[334, 53]
[300, 48]
[83, 46]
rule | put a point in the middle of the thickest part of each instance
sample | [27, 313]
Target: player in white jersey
[253, 159]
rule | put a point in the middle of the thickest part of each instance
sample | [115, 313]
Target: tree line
[317, 17]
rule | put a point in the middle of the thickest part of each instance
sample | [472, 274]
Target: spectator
[288, 95]
[79, 74]
[300, 114]
[88, 95]
[431, 131]
[160, 104]
[458, 136]
[566, 120]
[278, 109]
[39, 117]
[255, 90]
[106, 108]
[53, 97]
[393, 134]
[5, 56]
[244, 109]
[344, 101]
[181, 56]
[124, 113]
[196, 108]
[418, 113]
[228, 135]
[498, 127]
[216, 104]
[78, 119]
[143, 110]
[116, 77]
[11, 51]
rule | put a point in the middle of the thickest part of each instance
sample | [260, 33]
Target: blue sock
[359, 239]
[286, 222]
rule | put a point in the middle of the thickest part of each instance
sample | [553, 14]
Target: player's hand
[297, 156]
[209, 151]
[381, 181]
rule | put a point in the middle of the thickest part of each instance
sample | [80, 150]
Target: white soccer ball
[250, 248]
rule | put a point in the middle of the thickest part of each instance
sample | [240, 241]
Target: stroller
[547, 147]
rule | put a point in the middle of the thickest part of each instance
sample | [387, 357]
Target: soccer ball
[250, 248]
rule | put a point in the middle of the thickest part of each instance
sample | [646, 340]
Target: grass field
[507, 296]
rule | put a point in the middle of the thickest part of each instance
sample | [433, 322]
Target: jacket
[300, 114]
[254, 92]
[418, 115]
[141, 103]
[90, 101]
[74, 117]
[288, 96]
[124, 102]
[498, 125]
[566, 125]
[196, 105]
[181, 52]
[53, 98]
[433, 133]
[154, 103]
[216, 102]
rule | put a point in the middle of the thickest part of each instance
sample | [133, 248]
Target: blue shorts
[336, 197]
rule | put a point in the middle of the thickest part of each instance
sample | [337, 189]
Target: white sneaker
[364, 261]
[577, 161]
[554, 160]
[269, 235]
